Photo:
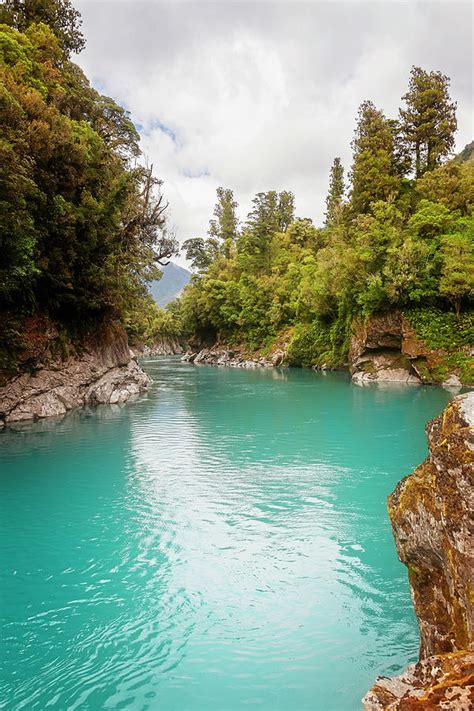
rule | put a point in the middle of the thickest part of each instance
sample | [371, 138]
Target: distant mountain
[170, 285]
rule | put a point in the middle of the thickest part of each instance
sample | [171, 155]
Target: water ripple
[220, 544]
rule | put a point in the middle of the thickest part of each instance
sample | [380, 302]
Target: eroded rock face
[377, 353]
[166, 345]
[103, 371]
[385, 348]
[432, 515]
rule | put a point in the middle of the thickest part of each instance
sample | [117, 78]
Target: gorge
[179, 537]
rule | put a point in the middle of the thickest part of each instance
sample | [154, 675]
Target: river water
[220, 544]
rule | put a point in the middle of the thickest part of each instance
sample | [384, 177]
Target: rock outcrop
[166, 345]
[432, 515]
[101, 370]
[386, 348]
[233, 358]
[444, 681]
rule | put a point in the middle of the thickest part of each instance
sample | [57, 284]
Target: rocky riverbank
[101, 369]
[432, 515]
[233, 358]
[382, 349]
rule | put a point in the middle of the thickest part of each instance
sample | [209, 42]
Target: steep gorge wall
[50, 379]
[163, 345]
[432, 515]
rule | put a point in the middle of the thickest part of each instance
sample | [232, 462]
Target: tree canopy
[82, 221]
[394, 243]
[60, 16]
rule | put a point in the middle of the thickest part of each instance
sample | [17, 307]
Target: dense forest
[82, 217]
[398, 234]
[83, 224]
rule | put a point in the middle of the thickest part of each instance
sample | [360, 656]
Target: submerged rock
[432, 515]
[101, 371]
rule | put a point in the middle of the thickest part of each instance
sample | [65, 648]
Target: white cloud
[262, 95]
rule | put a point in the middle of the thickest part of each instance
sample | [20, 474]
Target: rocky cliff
[165, 345]
[53, 377]
[386, 347]
[432, 515]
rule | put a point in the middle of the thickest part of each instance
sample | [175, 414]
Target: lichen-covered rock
[432, 515]
[444, 681]
[101, 371]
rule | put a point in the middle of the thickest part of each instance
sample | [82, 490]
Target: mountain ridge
[170, 285]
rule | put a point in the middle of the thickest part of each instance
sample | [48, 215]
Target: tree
[451, 185]
[60, 16]
[429, 120]
[373, 175]
[200, 252]
[81, 230]
[336, 192]
[116, 128]
[145, 220]
[271, 212]
[457, 272]
[224, 227]
[286, 210]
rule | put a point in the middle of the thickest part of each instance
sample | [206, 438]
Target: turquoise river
[220, 544]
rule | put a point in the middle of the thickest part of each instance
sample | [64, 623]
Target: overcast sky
[263, 95]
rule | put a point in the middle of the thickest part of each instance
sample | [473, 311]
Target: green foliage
[336, 192]
[458, 362]
[145, 322]
[81, 226]
[374, 175]
[441, 329]
[62, 18]
[457, 272]
[398, 243]
[319, 344]
[223, 229]
[428, 121]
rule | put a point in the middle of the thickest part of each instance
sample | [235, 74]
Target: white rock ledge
[386, 375]
[101, 376]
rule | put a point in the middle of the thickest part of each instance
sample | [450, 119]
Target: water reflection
[220, 543]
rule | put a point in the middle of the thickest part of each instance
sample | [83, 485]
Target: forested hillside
[398, 234]
[82, 218]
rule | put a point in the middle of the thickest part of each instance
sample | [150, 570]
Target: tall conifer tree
[336, 192]
[224, 227]
[429, 121]
[373, 175]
